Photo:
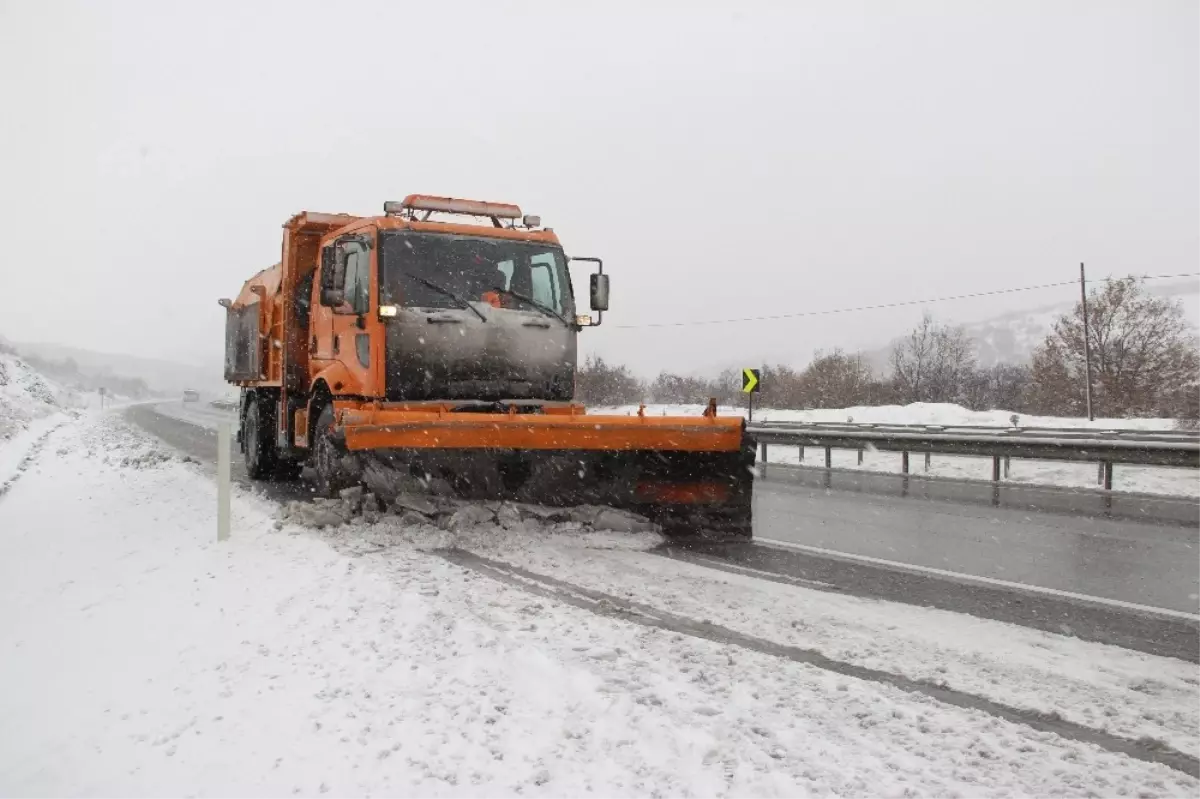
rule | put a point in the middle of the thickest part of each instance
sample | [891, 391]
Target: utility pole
[1087, 345]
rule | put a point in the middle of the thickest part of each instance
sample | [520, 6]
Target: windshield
[439, 271]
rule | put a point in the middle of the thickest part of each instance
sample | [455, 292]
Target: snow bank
[140, 657]
[31, 406]
[929, 413]
[25, 395]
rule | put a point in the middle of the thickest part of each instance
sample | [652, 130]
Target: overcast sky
[726, 160]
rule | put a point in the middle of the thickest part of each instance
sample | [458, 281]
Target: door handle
[542, 323]
[337, 344]
[313, 346]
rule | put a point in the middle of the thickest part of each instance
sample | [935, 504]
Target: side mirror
[599, 292]
[333, 276]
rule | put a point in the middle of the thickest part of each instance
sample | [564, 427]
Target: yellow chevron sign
[750, 378]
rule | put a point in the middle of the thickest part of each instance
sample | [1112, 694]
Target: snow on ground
[1123, 692]
[30, 406]
[21, 444]
[1141, 479]
[140, 657]
[25, 396]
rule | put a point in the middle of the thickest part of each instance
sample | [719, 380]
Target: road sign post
[751, 383]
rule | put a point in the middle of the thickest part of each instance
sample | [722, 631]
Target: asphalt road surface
[1086, 575]
[1145, 563]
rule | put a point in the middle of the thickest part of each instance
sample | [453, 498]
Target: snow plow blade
[691, 475]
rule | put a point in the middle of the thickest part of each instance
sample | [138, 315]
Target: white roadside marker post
[223, 481]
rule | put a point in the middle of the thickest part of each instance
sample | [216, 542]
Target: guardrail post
[763, 456]
[995, 479]
[860, 457]
[928, 456]
[904, 462]
[1107, 468]
[1100, 473]
[1007, 463]
[223, 481]
[802, 453]
[829, 457]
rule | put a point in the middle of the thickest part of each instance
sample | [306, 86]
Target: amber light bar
[451, 205]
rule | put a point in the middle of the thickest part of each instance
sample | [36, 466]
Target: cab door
[345, 330]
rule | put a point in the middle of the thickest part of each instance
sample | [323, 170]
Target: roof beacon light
[450, 205]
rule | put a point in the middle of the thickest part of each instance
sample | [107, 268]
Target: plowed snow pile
[140, 657]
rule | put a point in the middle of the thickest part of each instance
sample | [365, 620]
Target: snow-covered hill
[1012, 337]
[158, 375]
[25, 396]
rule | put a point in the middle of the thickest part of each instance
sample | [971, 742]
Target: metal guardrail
[1167, 448]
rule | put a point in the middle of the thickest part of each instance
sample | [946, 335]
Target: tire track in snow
[647, 616]
[35, 449]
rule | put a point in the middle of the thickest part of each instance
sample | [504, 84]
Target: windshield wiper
[543, 308]
[448, 293]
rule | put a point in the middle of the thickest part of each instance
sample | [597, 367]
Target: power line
[901, 304]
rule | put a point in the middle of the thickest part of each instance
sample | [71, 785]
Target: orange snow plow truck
[434, 348]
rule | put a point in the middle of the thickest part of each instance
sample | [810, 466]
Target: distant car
[191, 396]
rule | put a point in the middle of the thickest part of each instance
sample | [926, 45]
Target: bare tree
[1003, 386]
[836, 380]
[727, 388]
[933, 364]
[1053, 389]
[600, 383]
[681, 389]
[911, 361]
[781, 388]
[1145, 357]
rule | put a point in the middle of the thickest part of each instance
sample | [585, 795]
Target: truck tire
[328, 475]
[258, 445]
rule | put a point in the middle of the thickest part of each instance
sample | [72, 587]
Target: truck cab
[405, 313]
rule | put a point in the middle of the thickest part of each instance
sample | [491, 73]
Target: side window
[361, 297]
[358, 282]
[506, 270]
[544, 286]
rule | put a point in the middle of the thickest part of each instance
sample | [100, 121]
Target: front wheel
[329, 476]
[257, 443]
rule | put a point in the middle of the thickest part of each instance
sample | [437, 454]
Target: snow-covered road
[139, 657]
